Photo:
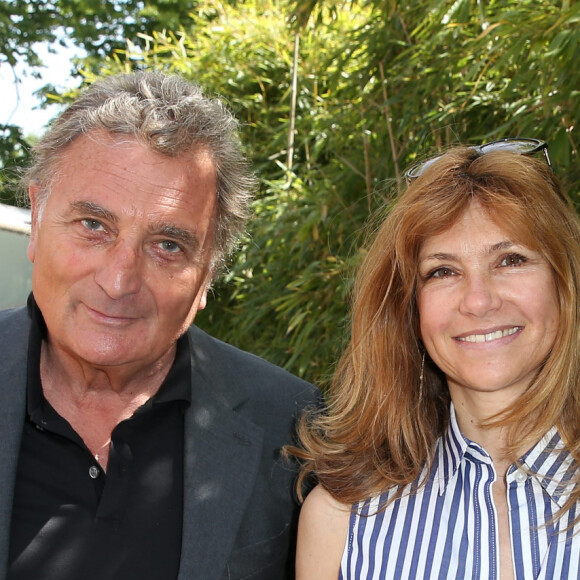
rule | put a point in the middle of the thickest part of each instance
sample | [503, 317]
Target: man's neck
[95, 400]
[63, 371]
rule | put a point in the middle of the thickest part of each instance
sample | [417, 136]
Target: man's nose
[120, 271]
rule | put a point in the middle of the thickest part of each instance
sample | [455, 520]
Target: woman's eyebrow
[494, 248]
[501, 246]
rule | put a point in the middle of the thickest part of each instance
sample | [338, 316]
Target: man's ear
[205, 289]
[203, 299]
[33, 193]
[209, 278]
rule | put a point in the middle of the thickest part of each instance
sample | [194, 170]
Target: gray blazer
[239, 507]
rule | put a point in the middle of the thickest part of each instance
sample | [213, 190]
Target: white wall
[15, 268]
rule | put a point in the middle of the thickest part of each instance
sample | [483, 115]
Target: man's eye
[169, 246]
[92, 225]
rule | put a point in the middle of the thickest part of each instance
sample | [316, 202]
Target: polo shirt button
[94, 472]
[520, 476]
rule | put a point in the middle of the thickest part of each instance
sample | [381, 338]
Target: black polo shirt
[70, 520]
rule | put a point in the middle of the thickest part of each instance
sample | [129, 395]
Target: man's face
[122, 250]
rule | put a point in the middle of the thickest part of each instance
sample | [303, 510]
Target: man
[134, 445]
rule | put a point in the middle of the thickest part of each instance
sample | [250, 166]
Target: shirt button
[94, 472]
[520, 476]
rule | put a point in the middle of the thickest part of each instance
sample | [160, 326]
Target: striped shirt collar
[548, 461]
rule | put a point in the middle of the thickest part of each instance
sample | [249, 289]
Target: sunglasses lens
[521, 146]
[418, 169]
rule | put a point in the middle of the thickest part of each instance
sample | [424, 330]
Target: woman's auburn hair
[380, 428]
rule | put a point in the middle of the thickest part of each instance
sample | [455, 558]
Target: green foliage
[471, 71]
[22, 23]
[379, 84]
[14, 152]
[97, 26]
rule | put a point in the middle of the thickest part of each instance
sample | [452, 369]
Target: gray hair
[170, 116]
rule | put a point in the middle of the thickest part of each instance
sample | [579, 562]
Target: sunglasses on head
[512, 145]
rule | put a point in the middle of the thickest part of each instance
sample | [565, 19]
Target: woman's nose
[480, 295]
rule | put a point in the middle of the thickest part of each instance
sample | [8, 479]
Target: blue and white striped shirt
[448, 528]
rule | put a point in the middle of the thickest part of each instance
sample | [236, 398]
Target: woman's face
[488, 310]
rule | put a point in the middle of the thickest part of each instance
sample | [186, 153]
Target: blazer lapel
[222, 456]
[13, 357]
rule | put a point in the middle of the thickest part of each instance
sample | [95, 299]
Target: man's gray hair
[170, 116]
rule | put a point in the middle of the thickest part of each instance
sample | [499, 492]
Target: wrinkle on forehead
[136, 165]
[129, 147]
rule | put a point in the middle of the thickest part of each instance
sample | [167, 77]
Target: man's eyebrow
[182, 235]
[186, 237]
[94, 210]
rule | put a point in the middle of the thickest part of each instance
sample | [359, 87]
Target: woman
[452, 441]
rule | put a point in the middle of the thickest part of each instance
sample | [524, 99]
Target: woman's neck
[470, 418]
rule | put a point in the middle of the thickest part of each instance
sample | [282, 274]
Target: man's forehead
[123, 149]
[102, 162]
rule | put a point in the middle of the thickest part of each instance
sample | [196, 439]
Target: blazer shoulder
[235, 366]
[14, 331]
[19, 313]
[13, 321]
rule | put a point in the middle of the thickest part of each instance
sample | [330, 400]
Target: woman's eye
[441, 273]
[169, 246]
[513, 260]
[93, 225]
